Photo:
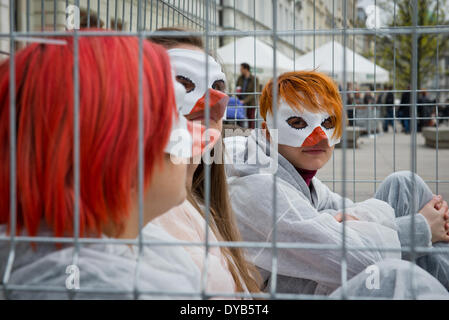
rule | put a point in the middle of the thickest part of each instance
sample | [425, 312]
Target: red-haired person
[108, 172]
[297, 142]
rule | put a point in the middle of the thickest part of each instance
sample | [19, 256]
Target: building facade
[115, 14]
[298, 15]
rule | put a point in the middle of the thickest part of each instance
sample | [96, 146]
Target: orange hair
[108, 117]
[310, 90]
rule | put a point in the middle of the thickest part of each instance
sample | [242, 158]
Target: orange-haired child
[307, 125]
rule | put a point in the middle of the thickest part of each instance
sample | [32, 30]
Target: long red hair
[108, 103]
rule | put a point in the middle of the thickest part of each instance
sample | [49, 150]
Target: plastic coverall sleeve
[297, 221]
[390, 279]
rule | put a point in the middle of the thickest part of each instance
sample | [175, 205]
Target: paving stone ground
[377, 157]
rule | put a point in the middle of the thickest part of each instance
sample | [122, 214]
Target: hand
[440, 202]
[339, 217]
[439, 205]
[437, 218]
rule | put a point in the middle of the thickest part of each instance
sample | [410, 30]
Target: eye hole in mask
[186, 82]
[329, 123]
[219, 85]
[297, 123]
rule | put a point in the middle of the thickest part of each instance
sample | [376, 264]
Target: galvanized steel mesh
[284, 26]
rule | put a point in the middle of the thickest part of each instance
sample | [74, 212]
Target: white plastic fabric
[303, 216]
[106, 267]
[390, 279]
[185, 223]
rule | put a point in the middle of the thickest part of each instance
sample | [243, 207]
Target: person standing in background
[426, 110]
[388, 100]
[360, 111]
[349, 102]
[248, 83]
[444, 113]
[368, 101]
[404, 111]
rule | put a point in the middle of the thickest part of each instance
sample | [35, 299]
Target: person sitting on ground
[228, 270]
[296, 143]
[248, 86]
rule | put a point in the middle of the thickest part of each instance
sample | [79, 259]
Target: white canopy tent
[262, 60]
[357, 67]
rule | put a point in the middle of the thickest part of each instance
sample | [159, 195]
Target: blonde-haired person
[228, 270]
[307, 127]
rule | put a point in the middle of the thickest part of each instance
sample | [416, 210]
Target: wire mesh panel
[389, 60]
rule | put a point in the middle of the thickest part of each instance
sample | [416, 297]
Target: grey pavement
[381, 155]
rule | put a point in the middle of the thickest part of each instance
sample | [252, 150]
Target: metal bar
[88, 13]
[163, 12]
[333, 75]
[314, 33]
[207, 174]
[294, 36]
[12, 153]
[274, 261]
[54, 15]
[123, 17]
[145, 15]
[131, 5]
[413, 154]
[28, 16]
[157, 14]
[99, 13]
[251, 296]
[437, 133]
[344, 274]
[256, 124]
[141, 164]
[42, 15]
[76, 152]
[202, 15]
[353, 108]
[394, 88]
[107, 14]
[173, 14]
[240, 33]
[115, 15]
[179, 15]
[283, 296]
[239, 244]
[235, 52]
[183, 10]
[168, 13]
[375, 97]
[151, 15]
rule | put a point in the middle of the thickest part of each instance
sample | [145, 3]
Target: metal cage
[292, 28]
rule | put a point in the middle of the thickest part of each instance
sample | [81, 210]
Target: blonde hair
[224, 225]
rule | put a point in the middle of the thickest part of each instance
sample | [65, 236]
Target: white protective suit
[303, 215]
[104, 267]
